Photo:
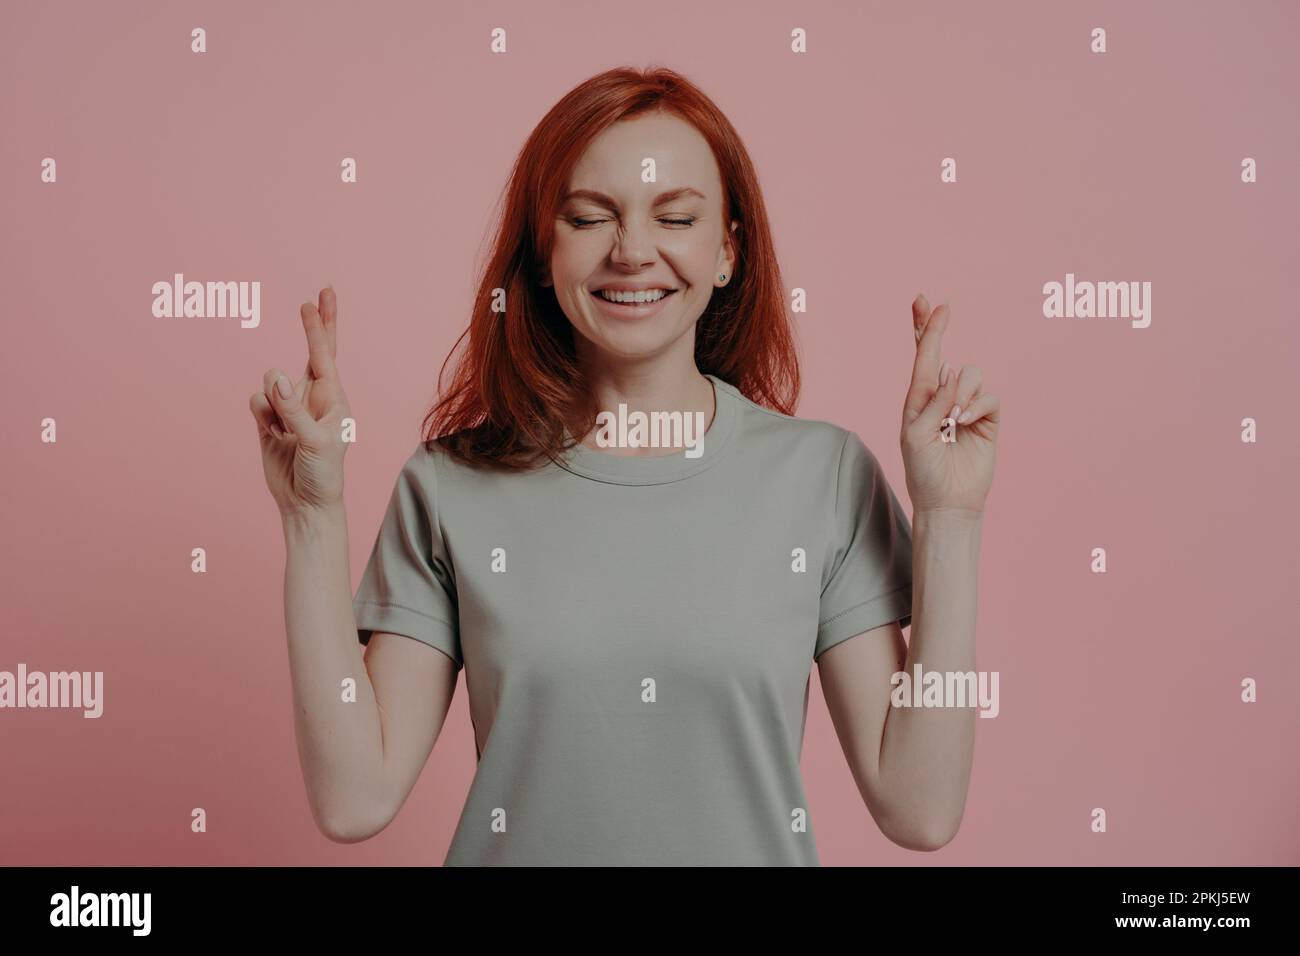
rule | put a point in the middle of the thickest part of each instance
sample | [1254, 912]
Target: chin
[633, 341]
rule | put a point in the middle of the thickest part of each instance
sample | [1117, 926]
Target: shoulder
[430, 460]
[810, 439]
[436, 466]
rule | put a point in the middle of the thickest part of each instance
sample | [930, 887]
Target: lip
[617, 286]
[635, 310]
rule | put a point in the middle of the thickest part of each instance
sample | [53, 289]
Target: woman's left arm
[912, 764]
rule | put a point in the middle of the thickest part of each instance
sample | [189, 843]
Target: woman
[637, 625]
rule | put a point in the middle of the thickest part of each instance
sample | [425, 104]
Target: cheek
[694, 259]
[572, 257]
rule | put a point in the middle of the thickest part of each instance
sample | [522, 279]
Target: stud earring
[722, 278]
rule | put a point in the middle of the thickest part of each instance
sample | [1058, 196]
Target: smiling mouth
[666, 293]
[631, 310]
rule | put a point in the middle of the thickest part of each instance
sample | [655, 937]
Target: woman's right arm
[360, 758]
[365, 722]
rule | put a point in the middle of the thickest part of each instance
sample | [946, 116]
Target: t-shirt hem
[872, 613]
[374, 616]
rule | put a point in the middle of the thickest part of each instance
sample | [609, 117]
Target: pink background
[1118, 690]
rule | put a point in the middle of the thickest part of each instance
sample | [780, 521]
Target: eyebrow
[602, 199]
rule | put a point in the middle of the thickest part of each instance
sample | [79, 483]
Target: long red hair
[517, 394]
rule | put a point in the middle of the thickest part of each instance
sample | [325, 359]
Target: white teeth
[652, 295]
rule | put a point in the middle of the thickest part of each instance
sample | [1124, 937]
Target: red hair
[518, 394]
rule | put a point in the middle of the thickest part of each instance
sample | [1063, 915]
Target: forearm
[340, 742]
[926, 752]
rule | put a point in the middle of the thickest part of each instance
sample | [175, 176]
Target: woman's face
[613, 230]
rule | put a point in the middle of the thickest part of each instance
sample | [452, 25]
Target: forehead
[612, 161]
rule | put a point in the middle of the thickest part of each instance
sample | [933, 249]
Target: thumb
[291, 409]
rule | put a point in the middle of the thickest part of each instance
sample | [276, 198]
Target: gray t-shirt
[638, 633]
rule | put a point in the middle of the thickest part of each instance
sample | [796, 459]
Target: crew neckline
[661, 469]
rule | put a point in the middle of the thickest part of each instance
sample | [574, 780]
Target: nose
[632, 249]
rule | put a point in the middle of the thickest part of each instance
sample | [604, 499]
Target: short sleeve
[867, 579]
[408, 586]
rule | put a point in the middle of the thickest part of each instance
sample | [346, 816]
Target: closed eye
[580, 223]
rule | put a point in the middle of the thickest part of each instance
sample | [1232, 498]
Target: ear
[729, 247]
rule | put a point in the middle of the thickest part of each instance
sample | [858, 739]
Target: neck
[651, 385]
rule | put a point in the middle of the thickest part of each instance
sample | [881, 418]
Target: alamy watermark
[651, 430]
[1098, 300]
[102, 909]
[179, 299]
[946, 689]
[72, 689]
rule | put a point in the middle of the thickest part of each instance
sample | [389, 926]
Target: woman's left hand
[952, 475]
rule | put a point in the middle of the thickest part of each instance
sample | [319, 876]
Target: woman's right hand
[302, 435]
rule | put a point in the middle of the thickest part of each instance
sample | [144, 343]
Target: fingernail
[283, 387]
[919, 333]
[956, 410]
[943, 374]
[963, 417]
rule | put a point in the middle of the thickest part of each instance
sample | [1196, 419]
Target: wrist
[309, 521]
[954, 517]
